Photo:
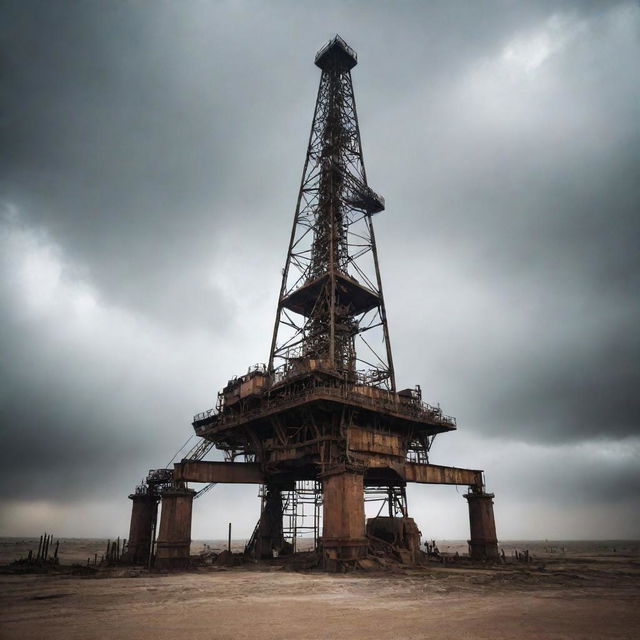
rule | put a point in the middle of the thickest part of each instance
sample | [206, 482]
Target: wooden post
[229, 542]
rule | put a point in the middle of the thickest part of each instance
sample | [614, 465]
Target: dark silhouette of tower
[322, 423]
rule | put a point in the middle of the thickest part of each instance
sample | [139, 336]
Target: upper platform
[336, 53]
[399, 412]
[349, 293]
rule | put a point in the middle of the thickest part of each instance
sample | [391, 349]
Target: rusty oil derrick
[321, 426]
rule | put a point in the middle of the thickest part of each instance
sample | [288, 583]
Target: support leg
[174, 539]
[270, 535]
[343, 526]
[483, 543]
[143, 516]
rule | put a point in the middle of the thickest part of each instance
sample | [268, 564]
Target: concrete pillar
[144, 511]
[483, 544]
[343, 520]
[270, 535]
[174, 539]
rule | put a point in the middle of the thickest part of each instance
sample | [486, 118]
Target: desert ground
[570, 590]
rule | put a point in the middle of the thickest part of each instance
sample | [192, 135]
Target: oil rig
[321, 427]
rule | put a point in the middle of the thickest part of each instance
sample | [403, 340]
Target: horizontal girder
[224, 472]
[436, 474]
[251, 473]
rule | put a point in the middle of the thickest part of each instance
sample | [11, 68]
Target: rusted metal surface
[227, 472]
[431, 419]
[144, 511]
[369, 440]
[483, 543]
[174, 538]
[436, 474]
[401, 533]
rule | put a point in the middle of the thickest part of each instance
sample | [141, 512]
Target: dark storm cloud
[532, 188]
[105, 151]
[590, 392]
[566, 262]
[74, 409]
[136, 133]
[154, 149]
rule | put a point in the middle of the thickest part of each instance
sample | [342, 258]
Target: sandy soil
[584, 595]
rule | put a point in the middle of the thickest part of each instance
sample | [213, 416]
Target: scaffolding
[302, 515]
[394, 498]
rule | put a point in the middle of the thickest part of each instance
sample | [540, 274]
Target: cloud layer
[150, 164]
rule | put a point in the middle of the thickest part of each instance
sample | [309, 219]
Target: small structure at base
[401, 533]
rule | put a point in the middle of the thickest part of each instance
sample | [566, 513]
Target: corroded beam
[250, 473]
[436, 474]
[231, 472]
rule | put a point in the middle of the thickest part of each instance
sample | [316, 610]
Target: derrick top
[336, 54]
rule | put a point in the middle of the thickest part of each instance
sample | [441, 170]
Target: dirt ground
[590, 596]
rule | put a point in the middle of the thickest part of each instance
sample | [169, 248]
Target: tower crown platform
[336, 53]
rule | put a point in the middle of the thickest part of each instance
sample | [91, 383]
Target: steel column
[174, 539]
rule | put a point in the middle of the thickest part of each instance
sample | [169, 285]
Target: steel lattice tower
[322, 424]
[331, 292]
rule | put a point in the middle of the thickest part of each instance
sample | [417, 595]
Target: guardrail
[409, 409]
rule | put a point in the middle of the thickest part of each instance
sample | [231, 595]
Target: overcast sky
[150, 156]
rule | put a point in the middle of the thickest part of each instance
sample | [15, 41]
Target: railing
[142, 490]
[419, 456]
[366, 377]
[205, 414]
[410, 409]
[159, 476]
